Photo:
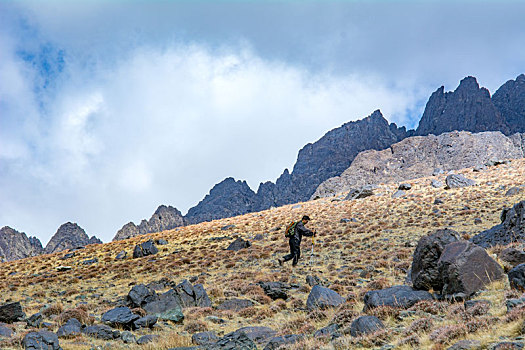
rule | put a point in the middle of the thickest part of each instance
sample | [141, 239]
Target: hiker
[295, 240]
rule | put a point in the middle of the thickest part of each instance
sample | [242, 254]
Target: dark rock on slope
[509, 99]
[69, 236]
[16, 245]
[468, 108]
[164, 218]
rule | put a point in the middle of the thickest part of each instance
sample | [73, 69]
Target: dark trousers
[295, 252]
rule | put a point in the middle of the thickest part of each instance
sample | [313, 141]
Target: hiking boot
[280, 262]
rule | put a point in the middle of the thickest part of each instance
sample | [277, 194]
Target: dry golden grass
[373, 252]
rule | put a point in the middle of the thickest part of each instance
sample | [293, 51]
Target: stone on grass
[458, 180]
[11, 312]
[43, 340]
[101, 331]
[173, 315]
[235, 304]
[35, 320]
[397, 296]
[232, 341]
[364, 325]
[279, 342]
[258, 334]
[70, 329]
[360, 192]
[330, 331]
[145, 322]
[512, 256]
[120, 317]
[239, 244]
[204, 338]
[466, 345]
[147, 339]
[275, 290]
[323, 298]
[467, 268]
[128, 337]
[517, 277]
[122, 255]
[145, 249]
[6, 332]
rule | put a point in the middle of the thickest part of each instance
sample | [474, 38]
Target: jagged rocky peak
[69, 236]
[467, 108]
[227, 198]
[16, 245]
[509, 99]
[164, 218]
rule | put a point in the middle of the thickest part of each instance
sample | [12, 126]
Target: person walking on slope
[295, 240]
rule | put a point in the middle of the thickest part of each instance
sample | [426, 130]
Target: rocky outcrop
[509, 99]
[16, 245]
[164, 218]
[227, 198]
[69, 236]
[468, 108]
[418, 156]
[511, 229]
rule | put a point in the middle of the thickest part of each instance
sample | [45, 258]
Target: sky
[109, 109]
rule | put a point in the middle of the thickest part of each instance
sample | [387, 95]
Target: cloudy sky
[111, 108]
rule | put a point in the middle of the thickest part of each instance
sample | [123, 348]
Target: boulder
[511, 229]
[330, 331]
[512, 191]
[425, 272]
[512, 303]
[466, 268]
[35, 320]
[323, 298]
[364, 325]
[314, 280]
[43, 340]
[148, 338]
[128, 337]
[436, 184]
[397, 296]
[278, 342]
[507, 345]
[466, 345]
[275, 290]
[458, 180]
[122, 255]
[6, 332]
[512, 256]
[173, 315]
[239, 244]
[101, 331]
[233, 341]
[70, 329]
[120, 317]
[192, 295]
[405, 187]
[360, 192]
[517, 277]
[260, 335]
[204, 338]
[235, 304]
[145, 249]
[11, 312]
[145, 322]
[140, 295]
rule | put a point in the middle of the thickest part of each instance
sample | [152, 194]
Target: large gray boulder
[70, 329]
[397, 296]
[235, 304]
[364, 325]
[458, 181]
[466, 268]
[511, 229]
[322, 298]
[512, 256]
[260, 335]
[425, 272]
[101, 331]
[233, 341]
[145, 249]
[43, 340]
[280, 342]
[517, 277]
[275, 290]
[11, 312]
[239, 244]
[120, 317]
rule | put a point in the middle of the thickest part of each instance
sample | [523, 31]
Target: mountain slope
[68, 236]
[16, 245]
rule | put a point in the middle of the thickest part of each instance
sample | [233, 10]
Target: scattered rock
[235, 304]
[11, 312]
[101, 331]
[512, 191]
[161, 241]
[6, 332]
[360, 192]
[517, 277]
[425, 272]
[478, 221]
[512, 256]
[35, 320]
[70, 329]
[239, 244]
[258, 237]
[511, 229]
[466, 268]
[346, 221]
[365, 325]
[128, 337]
[398, 194]
[507, 345]
[90, 261]
[275, 290]
[436, 184]
[147, 339]
[204, 338]
[227, 227]
[122, 255]
[323, 298]
[259, 335]
[277, 342]
[43, 340]
[145, 249]
[64, 268]
[145, 322]
[466, 345]
[120, 317]
[405, 187]
[330, 331]
[458, 180]
[173, 315]
[313, 280]
[437, 171]
[234, 340]
[140, 295]
[512, 303]
[397, 296]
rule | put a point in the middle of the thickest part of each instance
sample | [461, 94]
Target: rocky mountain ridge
[69, 236]
[420, 156]
[16, 245]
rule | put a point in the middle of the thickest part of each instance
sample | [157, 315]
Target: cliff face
[468, 108]
[418, 156]
[164, 218]
[16, 245]
[69, 236]
[509, 99]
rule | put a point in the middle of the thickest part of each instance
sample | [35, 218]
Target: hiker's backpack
[290, 229]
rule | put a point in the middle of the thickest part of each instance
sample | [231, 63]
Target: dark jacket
[300, 231]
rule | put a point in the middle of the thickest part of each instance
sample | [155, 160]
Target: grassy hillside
[372, 252]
